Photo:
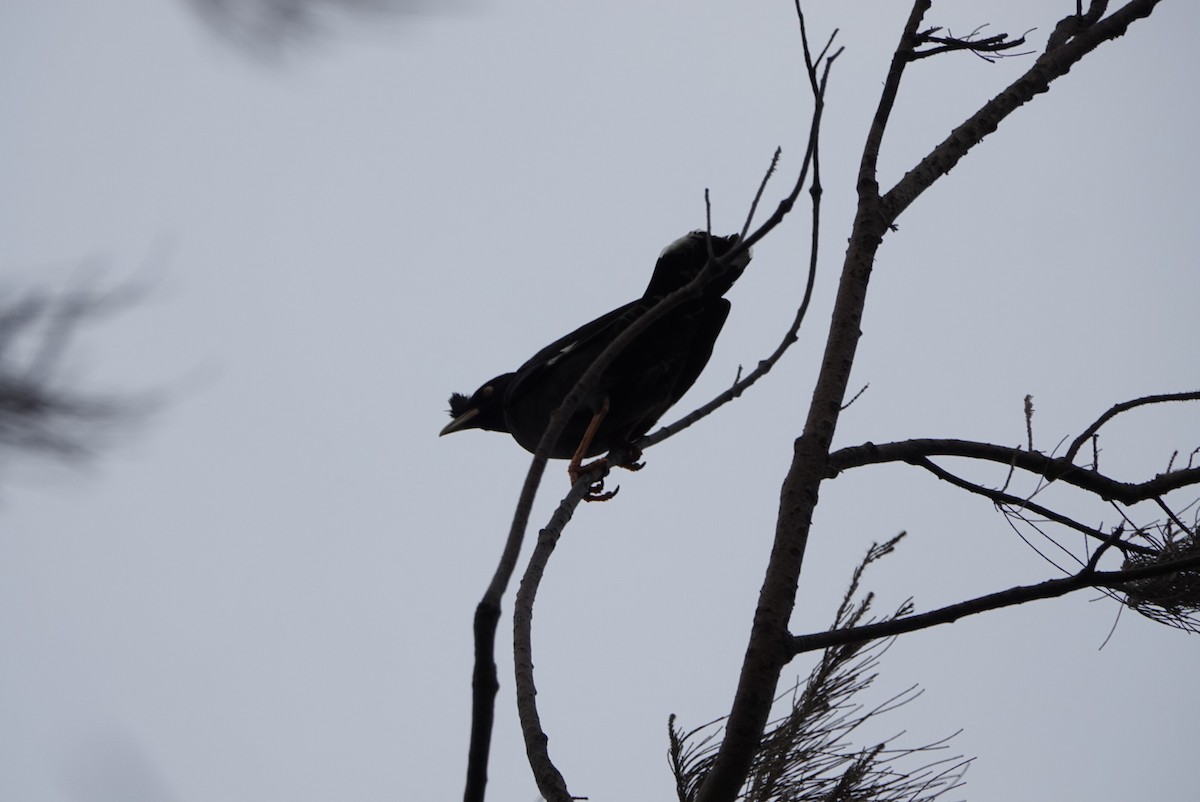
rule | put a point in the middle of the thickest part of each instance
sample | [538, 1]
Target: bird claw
[596, 490]
[594, 493]
[627, 456]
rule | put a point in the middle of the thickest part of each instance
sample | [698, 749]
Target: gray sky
[265, 590]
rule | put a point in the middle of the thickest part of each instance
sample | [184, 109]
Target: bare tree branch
[40, 413]
[266, 28]
[740, 385]
[1172, 598]
[1071, 26]
[1001, 499]
[549, 779]
[1052, 65]
[1117, 409]
[1052, 468]
[807, 753]
[769, 648]
[488, 608]
[987, 48]
[1088, 577]
[485, 682]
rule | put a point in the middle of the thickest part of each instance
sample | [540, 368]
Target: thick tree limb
[769, 648]
[767, 652]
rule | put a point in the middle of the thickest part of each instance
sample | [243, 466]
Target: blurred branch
[266, 27]
[40, 415]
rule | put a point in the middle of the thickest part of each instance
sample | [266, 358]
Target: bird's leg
[576, 469]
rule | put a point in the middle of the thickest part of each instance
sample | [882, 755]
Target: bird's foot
[627, 456]
[595, 494]
[576, 470]
[596, 491]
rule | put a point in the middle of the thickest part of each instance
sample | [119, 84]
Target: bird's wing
[586, 337]
[708, 327]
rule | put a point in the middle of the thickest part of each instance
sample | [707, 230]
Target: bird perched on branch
[644, 380]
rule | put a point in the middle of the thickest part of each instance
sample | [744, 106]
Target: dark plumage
[639, 385]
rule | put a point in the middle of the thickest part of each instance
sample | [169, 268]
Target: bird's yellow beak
[460, 422]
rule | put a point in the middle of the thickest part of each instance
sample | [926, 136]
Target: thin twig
[987, 48]
[811, 161]
[1125, 406]
[1001, 499]
[1029, 420]
[762, 187]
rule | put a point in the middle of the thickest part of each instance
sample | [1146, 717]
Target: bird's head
[484, 409]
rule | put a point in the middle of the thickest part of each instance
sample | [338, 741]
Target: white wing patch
[566, 349]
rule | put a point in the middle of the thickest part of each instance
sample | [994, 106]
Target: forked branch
[809, 751]
[933, 42]
[769, 648]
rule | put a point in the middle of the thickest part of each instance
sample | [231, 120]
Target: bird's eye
[487, 391]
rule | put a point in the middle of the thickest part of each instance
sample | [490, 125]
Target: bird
[641, 383]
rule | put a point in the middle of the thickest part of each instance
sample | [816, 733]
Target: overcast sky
[264, 590]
